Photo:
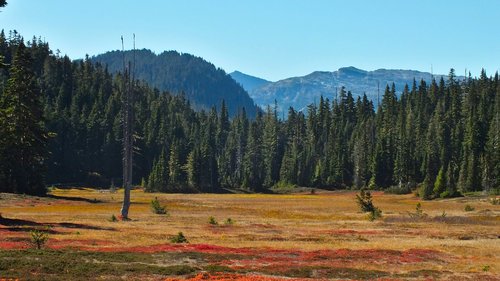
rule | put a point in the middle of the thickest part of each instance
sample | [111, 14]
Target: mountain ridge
[301, 91]
[202, 83]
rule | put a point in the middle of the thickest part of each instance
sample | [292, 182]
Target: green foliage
[442, 135]
[493, 201]
[203, 84]
[419, 212]
[38, 238]
[364, 201]
[212, 221]
[229, 221]
[440, 183]
[398, 189]
[83, 265]
[375, 214]
[179, 238]
[156, 208]
[469, 208]
[113, 218]
[23, 145]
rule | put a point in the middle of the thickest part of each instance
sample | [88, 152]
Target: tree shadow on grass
[78, 199]
[82, 226]
[27, 225]
[18, 222]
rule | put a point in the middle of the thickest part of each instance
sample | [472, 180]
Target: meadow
[303, 236]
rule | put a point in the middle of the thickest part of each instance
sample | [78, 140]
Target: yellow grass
[302, 221]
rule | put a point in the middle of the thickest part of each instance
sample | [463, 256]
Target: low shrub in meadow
[38, 238]
[419, 212]
[229, 221]
[156, 208]
[469, 208]
[212, 221]
[365, 203]
[179, 238]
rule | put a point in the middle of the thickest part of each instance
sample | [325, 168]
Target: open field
[273, 237]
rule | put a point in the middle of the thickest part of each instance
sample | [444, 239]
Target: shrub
[375, 214]
[364, 200]
[419, 212]
[179, 238]
[156, 208]
[469, 208]
[113, 218]
[493, 201]
[229, 221]
[38, 238]
[212, 221]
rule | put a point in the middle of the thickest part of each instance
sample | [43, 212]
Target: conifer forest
[61, 124]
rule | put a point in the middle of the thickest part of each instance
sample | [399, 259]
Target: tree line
[60, 122]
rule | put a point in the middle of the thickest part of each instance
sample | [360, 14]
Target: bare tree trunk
[128, 117]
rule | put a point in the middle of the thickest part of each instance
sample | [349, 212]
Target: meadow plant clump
[229, 221]
[38, 238]
[113, 218]
[365, 203]
[469, 208]
[179, 238]
[419, 212]
[156, 208]
[212, 221]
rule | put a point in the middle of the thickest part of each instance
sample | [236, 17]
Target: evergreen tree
[23, 144]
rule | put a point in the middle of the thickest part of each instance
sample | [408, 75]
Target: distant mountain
[248, 82]
[299, 92]
[203, 84]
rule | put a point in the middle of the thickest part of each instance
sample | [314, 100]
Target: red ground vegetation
[240, 277]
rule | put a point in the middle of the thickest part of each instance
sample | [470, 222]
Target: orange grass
[467, 242]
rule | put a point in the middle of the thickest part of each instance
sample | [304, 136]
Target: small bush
[486, 268]
[469, 208]
[419, 212]
[364, 200]
[212, 221]
[156, 208]
[38, 238]
[229, 221]
[443, 215]
[179, 238]
[493, 201]
[375, 214]
[113, 218]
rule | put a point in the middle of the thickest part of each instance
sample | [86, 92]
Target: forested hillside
[202, 83]
[444, 137]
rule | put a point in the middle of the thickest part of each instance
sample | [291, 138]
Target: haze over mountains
[299, 92]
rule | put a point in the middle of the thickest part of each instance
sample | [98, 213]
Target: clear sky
[275, 39]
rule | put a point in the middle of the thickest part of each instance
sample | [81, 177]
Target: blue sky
[276, 39]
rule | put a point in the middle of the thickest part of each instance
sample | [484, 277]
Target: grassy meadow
[321, 236]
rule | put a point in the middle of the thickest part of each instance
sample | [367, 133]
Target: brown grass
[325, 221]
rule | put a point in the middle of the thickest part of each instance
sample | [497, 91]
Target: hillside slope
[203, 84]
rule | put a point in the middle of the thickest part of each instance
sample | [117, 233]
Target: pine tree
[23, 144]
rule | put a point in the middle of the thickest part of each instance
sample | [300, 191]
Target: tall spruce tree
[23, 143]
